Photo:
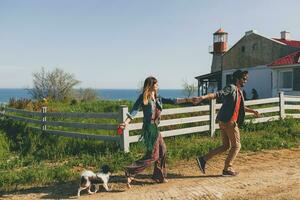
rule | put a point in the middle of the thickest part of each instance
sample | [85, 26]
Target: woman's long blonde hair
[148, 88]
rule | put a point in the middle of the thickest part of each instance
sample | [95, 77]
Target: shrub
[18, 103]
[27, 104]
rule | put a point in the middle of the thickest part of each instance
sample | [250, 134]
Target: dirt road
[265, 175]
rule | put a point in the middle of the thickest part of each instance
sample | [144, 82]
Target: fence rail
[83, 125]
[24, 112]
[206, 115]
[45, 122]
[277, 112]
[24, 119]
[83, 115]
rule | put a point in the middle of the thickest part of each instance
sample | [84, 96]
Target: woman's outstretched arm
[133, 112]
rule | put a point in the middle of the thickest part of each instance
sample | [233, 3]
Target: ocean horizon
[108, 94]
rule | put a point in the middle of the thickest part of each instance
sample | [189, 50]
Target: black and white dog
[89, 178]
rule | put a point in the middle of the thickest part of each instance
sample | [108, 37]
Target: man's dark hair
[238, 74]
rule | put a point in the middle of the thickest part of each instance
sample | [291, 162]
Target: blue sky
[118, 43]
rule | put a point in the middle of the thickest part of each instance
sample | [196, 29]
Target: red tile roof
[291, 59]
[293, 43]
[220, 30]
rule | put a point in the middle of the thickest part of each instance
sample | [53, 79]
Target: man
[230, 117]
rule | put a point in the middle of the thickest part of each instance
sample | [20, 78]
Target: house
[258, 55]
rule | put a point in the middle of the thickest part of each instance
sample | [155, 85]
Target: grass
[37, 159]
[30, 158]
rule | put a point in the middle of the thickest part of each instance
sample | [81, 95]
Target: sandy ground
[273, 174]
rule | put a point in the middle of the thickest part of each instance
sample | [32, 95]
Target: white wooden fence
[43, 123]
[277, 112]
[282, 104]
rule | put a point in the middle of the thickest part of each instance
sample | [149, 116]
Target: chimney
[285, 35]
[250, 32]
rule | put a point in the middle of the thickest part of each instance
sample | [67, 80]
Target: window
[296, 81]
[243, 49]
[220, 38]
[254, 46]
[286, 79]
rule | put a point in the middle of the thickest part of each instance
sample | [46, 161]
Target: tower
[219, 49]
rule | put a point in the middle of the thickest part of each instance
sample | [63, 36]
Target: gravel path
[271, 174]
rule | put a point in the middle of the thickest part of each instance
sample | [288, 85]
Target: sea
[108, 94]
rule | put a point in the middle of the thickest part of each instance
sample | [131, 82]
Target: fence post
[125, 136]
[212, 117]
[2, 112]
[44, 118]
[281, 105]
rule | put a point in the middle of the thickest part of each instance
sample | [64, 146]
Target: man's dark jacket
[228, 95]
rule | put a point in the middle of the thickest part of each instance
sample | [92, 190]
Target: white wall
[260, 78]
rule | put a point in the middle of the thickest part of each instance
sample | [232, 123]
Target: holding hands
[197, 100]
[193, 100]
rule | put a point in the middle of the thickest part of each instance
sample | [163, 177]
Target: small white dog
[89, 178]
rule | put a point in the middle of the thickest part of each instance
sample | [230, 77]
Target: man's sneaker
[201, 163]
[229, 173]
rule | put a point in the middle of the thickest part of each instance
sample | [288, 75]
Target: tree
[188, 89]
[56, 85]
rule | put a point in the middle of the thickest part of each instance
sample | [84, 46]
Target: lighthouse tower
[219, 49]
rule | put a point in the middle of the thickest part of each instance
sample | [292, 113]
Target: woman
[151, 105]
